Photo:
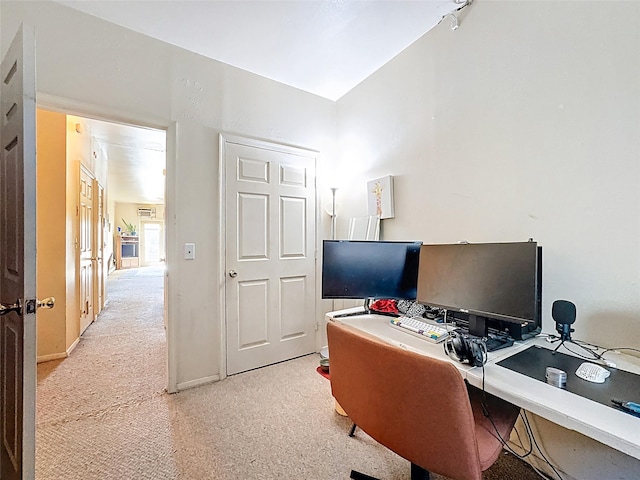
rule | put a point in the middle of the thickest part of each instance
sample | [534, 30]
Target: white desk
[614, 428]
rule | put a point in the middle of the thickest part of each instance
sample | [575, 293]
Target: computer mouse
[592, 372]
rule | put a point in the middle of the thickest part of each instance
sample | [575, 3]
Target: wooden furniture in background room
[127, 251]
[417, 406]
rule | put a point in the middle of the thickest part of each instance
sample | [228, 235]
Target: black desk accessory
[631, 407]
[564, 314]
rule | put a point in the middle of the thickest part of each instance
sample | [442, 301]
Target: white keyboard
[418, 328]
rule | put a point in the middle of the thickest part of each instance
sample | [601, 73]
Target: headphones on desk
[466, 349]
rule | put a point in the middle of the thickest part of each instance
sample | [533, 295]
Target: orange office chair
[417, 406]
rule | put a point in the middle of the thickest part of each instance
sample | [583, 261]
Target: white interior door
[270, 253]
[87, 260]
[18, 259]
[151, 242]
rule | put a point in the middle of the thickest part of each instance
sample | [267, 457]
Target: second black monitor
[500, 281]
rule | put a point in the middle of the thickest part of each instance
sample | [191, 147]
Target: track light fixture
[454, 21]
[454, 18]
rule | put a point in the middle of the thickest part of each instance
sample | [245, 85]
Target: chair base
[360, 476]
[417, 473]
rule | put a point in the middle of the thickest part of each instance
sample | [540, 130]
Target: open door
[18, 259]
[86, 255]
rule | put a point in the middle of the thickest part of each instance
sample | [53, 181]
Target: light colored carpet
[103, 414]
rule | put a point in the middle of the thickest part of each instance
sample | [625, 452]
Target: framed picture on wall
[380, 197]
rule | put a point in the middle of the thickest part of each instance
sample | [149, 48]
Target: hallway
[116, 374]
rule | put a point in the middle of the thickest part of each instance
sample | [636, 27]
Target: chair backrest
[415, 405]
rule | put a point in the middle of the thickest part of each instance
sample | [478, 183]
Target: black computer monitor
[353, 269]
[499, 282]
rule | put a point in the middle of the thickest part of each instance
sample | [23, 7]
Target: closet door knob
[48, 302]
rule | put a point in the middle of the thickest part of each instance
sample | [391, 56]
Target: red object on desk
[389, 306]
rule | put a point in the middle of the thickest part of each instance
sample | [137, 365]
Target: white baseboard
[197, 382]
[58, 356]
[72, 346]
[53, 356]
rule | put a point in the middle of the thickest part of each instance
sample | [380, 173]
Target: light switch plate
[189, 251]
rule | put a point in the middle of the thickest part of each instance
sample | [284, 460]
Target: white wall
[524, 122]
[91, 67]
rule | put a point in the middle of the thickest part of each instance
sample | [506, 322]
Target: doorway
[95, 176]
[152, 243]
[129, 162]
[113, 171]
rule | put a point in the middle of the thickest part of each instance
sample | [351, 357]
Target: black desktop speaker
[466, 349]
[564, 314]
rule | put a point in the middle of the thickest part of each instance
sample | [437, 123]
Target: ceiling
[136, 161]
[325, 47]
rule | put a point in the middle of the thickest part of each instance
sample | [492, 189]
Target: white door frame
[237, 139]
[74, 107]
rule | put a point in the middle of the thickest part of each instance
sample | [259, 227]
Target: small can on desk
[556, 377]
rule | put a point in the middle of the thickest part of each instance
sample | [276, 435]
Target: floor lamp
[333, 227]
[333, 212]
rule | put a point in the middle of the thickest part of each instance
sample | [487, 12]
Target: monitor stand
[478, 326]
[367, 303]
[366, 310]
